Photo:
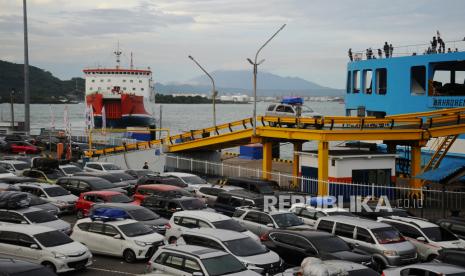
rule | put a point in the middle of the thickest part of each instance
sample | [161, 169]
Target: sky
[66, 36]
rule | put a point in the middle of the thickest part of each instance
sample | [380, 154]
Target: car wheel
[129, 256]
[172, 240]
[431, 257]
[379, 265]
[79, 214]
[50, 266]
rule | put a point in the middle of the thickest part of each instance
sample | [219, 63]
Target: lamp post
[255, 71]
[12, 101]
[214, 92]
[27, 118]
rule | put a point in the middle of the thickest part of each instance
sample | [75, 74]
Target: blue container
[292, 100]
[105, 214]
[251, 152]
[140, 136]
[322, 201]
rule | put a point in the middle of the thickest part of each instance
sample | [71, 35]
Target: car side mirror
[270, 225]
[117, 236]
[422, 239]
[34, 246]
[310, 251]
[197, 273]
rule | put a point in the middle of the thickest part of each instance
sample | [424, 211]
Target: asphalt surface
[106, 265]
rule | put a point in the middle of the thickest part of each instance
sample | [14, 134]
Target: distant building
[189, 95]
[235, 98]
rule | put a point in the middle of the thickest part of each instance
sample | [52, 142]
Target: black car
[159, 179]
[454, 256]
[255, 185]
[227, 202]
[454, 224]
[81, 184]
[44, 205]
[139, 213]
[295, 245]
[138, 173]
[382, 212]
[13, 267]
[166, 207]
[17, 179]
[121, 180]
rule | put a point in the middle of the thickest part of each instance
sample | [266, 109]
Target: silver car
[259, 222]
[387, 246]
[432, 268]
[34, 216]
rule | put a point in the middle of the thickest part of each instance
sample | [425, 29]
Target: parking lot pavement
[105, 265]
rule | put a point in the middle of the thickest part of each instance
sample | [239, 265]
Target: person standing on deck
[351, 58]
[146, 166]
[434, 44]
[386, 49]
[380, 53]
[391, 50]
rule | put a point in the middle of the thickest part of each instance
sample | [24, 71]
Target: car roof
[37, 185]
[101, 163]
[243, 193]
[159, 187]
[197, 251]
[84, 178]
[217, 186]
[112, 222]
[415, 221]
[326, 210]
[220, 234]
[440, 268]
[104, 193]
[360, 222]
[68, 166]
[31, 229]
[277, 212]
[23, 210]
[123, 206]
[307, 233]
[179, 174]
[210, 216]
[13, 162]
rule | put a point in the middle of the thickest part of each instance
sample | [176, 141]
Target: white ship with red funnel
[122, 93]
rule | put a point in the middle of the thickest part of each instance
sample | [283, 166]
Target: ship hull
[126, 121]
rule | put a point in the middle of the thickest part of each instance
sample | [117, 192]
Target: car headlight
[59, 255]
[61, 203]
[141, 243]
[390, 253]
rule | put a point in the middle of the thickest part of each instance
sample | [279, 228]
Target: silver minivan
[387, 246]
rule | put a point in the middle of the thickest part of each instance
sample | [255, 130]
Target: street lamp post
[27, 118]
[214, 92]
[12, 101]
[255, 71]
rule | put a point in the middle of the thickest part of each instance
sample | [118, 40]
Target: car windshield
[142, 214]
[245, 247]
[387, 235]
[221, 265]
[21, 166]
[110, 167]
[229, 224]
[39, 216]
[56, 191]
[287, 220]
[340, 213]
[35, 200]
[330, 244]
[192, 204]
[363, 272]
[71, 169]
[306, 109]
[101, 184]
[194, 180]
[53, 238]
[265, 189]
[135, 229]
[439, 234]
[55, 174]
[120, 199]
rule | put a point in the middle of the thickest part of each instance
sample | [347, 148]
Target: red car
[144, 191]
[20, 147]
[87, 199]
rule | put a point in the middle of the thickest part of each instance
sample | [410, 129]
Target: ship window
[124, 88]
[142, 89]
[367, 79]
[418, 80]
[108, 87]
[108, 80]
[349, 74]
[133, 89]
[93, 80]
[90, 88]
[356, 81]
[131, 81]
[101, 80]
[124, 80]
[381, 81]
[140, 81]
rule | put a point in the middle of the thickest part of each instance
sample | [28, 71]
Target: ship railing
[429, 201]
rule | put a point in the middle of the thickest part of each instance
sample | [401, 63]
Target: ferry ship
[408, 83]
[122, 93]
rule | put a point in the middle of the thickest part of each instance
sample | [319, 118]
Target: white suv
[102, 167]
[55, 194]
[43, 245]
[127, 238]
[310, 214]
[15, 166]
[185, 220]
[427, 237]
[191, 180]
[33, 216]
[196, 260]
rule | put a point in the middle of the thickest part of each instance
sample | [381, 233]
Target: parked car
[102, 167]
[184, 220]
[290, 111]
[48, 176]
[310, 214]
[17, 267]
[454, 224]
[382, 211]
[45, 246]
[196, 260]
[138, 173]
[21, 147]
[454, 256]
[81, 184]
[189, 179]
[137, 213]
[296, 245]
[260, 222]
[126, 238]
[431, 268]
[54, 194]
[227, 202]
[387, 246]
[33, 216]
[120, 180]
[209, 192]
[5, 174]
[88, 199]
[69, 169]
[167, 180]
[427, 237]
[160, 190]
[255, 185]
[27, 159]
[246, 249]
[14, 166]
[17, 179]
[315, 266]
[166, 207]
[42, 204]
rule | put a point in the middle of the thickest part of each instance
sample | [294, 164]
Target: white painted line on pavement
[111, 271]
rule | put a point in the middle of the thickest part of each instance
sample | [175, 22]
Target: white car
[195, 260]
[289, 110]
[102, 167]
[183, 221]
[427, 237]
[33, 216]
[127, 238]
[209, 192]
[15, 166]
[191, 180]
[431, 268]
[310, 214]
[4, 173]
[54, 194]
[45, 246]
[69, 170]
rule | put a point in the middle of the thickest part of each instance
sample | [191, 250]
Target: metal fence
[429, 202]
